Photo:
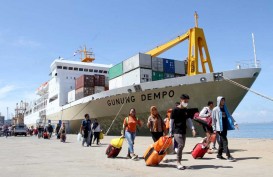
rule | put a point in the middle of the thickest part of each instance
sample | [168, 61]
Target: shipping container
[157, 64]
[116, 71]
[179, 67]
[138, 61]
[168, 66]
[99, 89]
[83, 92]
[168, 75]
[99, 80]
[107, 81]
[115, 83]
[136, 76]
[156, 75]
[85, 81]
[71, 96]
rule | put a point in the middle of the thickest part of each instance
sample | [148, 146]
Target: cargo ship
[107, 92]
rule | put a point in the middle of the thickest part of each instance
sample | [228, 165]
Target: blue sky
[33, 34]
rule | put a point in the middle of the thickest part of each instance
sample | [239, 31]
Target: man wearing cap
[179, 118]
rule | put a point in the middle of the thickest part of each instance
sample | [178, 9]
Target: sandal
[180, 167]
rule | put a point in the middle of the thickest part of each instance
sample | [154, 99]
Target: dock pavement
[30, 156]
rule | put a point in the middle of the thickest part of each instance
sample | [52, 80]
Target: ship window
[90, 70]
[65, 67]
[100, 71]
[66, 77]
[95, 70]
[105, 72]
[86, 70]
[80, 69]
[59, 67]
[70, 68]
[76, 69]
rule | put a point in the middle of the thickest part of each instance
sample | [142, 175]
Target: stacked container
[99, 80]
[144, 68]
[168, 66]
[156, 75]
[116, 71]
[157, 64]
[85, 81]
[138, 61]
[89, 84]
[83, 92]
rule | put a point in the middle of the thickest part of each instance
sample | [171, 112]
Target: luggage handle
[161, 150]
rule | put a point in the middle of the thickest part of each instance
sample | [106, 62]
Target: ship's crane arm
[197, 49]
[162, 48]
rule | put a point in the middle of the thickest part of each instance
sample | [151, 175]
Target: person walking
[6, 130]
[129, 131]
[155, 124]
[179, 118]
[57, 129]
[222, 121]
[63, 133]
[49, 130]
[96, 129]
[206, 113]
[85, 129]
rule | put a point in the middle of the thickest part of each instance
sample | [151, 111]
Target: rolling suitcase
[152, 157]
[112, 151]
[45, 135]
[114, 147]
[157, 151]
[199, 150]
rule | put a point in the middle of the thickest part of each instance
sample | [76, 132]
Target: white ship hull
[105, 106]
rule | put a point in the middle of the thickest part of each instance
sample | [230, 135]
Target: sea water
[253, 130]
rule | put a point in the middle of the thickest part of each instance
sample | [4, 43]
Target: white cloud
[6, 90]
[24, 42]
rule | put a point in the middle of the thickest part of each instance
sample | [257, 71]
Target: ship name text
[143, 97]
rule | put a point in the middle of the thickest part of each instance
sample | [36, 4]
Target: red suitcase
[45, 135]
[112, 151]
[199, 150]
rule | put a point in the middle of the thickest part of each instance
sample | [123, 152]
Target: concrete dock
[30, 156]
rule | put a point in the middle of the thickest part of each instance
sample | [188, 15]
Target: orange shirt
[167, 123]
[131, 124]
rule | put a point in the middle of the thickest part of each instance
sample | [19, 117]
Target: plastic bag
[79, 137]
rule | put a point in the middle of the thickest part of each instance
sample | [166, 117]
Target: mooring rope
[117, 114]
[246, 88]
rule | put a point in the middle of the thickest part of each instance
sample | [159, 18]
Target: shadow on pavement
[237, 150]
[198, 167]
[248, 158]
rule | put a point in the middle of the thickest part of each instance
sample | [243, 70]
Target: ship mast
[86, 55]
[254, 49]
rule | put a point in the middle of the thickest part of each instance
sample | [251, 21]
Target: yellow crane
[197, 48]
[88, 55]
